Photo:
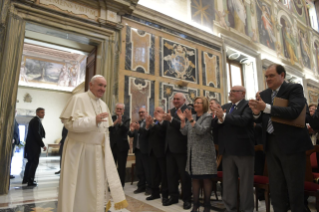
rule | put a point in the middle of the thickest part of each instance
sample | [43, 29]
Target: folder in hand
[300, 121]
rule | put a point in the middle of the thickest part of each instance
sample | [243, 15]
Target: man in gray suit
[234, 130]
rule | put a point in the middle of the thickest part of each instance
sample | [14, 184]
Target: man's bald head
[179, 100]
[237, 93]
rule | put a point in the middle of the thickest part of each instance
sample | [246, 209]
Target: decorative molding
[312, 83]
[232, 43]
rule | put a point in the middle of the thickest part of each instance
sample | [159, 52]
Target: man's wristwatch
[191, 121]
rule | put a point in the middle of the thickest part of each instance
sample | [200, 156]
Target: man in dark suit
[118, 139]
[156, 151]
[15, 140]
[314, 120]
[176, 154]
[33, 147]
[140, 149]
[285, 145]
[234, 130]
[64, 134]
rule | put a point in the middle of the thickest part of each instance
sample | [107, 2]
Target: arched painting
[289, 41]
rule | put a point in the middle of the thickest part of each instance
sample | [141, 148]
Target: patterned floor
[43, 198]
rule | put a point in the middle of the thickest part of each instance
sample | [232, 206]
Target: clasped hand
[101, 117]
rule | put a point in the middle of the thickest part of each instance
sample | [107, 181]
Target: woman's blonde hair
[205, 103]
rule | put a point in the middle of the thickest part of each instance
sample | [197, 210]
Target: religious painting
[289, 40]
[316, 55]
[138, 93]
[298, 8]
[49, 74]
[213, 95]
[266, 25]
[139, 55]
[178, 61]
[211, 70]
[167, 92]
[203, 12]
[237, 16]
[304, 48]
[313, 96]
[82, 70]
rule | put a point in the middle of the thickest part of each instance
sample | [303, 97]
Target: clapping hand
[149, 121]
[118, 120]
[219, 112]
[181, 115]
[257, 105]
[188, 114]
[167, 116]
[159, 116]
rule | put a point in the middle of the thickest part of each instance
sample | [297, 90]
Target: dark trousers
[286, 177]
[143, 169]
[120, 158]
[259, 170]
[176, 164]
[31, 168]
[158, 176]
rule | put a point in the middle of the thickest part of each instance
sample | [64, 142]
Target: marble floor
[43, 198]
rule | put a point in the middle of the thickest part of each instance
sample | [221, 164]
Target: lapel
[282, 89]
[238, 108]
[266, 95]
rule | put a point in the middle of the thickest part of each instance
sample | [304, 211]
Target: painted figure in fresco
[297, 4]
[64, 77]
[238, 13]
[73, 76]
[23, 76]
[289, 45]
[304, 47]
[267, 26]
[221, 18]
[179, 63]
[317, 56]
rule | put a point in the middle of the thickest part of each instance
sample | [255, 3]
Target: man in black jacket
[176, 154]
[64, 135]
[234, 129]
[314, 120]
[118, 139]
[33, 147]
[15, 140]
[140, 148]
[156, 151]
[285, 145]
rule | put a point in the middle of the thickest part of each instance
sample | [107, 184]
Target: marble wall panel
[178, 61]
[167, 92]
[211, 70]
[139, 51]
[138, 93]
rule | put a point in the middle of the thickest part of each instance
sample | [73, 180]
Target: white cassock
[88, 167]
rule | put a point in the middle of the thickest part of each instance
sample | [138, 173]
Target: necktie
[231, 109]
[270, 127]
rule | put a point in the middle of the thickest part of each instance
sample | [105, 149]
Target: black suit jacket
[236, 134]
[34, 138]
[16, 133]
[290, 139]
[175, 142]
[118, 134]
[314, 120]
[142, 135]
[156, 140]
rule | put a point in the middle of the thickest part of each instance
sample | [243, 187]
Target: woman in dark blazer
[201, 156]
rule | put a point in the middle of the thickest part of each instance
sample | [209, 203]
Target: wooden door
[90, 67]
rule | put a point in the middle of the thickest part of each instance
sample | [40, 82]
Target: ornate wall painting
[138, 93]
[298, 8]
[313, 96]
[203, 12]
[167, 92]
[304, 48]
[316, 55]
[288, 39]
[213, 95]
[178, 61]
[211, 70]
[139, 55]
[49, 74]
[266, 25]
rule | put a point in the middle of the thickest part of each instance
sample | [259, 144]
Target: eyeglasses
[235, 91]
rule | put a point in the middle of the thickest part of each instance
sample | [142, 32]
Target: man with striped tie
[285, 145]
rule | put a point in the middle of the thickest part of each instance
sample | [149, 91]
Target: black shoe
[139, 190]
[164, 199]
[153, 197]
[148, 191]
[24, 181]
[195, 207]
[32, 183]
[170, 201]
[206, 207]
[187, 205]
[57, 172]
[12, 177]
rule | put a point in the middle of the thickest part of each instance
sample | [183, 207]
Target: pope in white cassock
[88, 167]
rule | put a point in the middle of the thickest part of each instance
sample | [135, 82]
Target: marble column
[12, 29]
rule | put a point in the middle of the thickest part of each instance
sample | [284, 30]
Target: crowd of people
[178, 147]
